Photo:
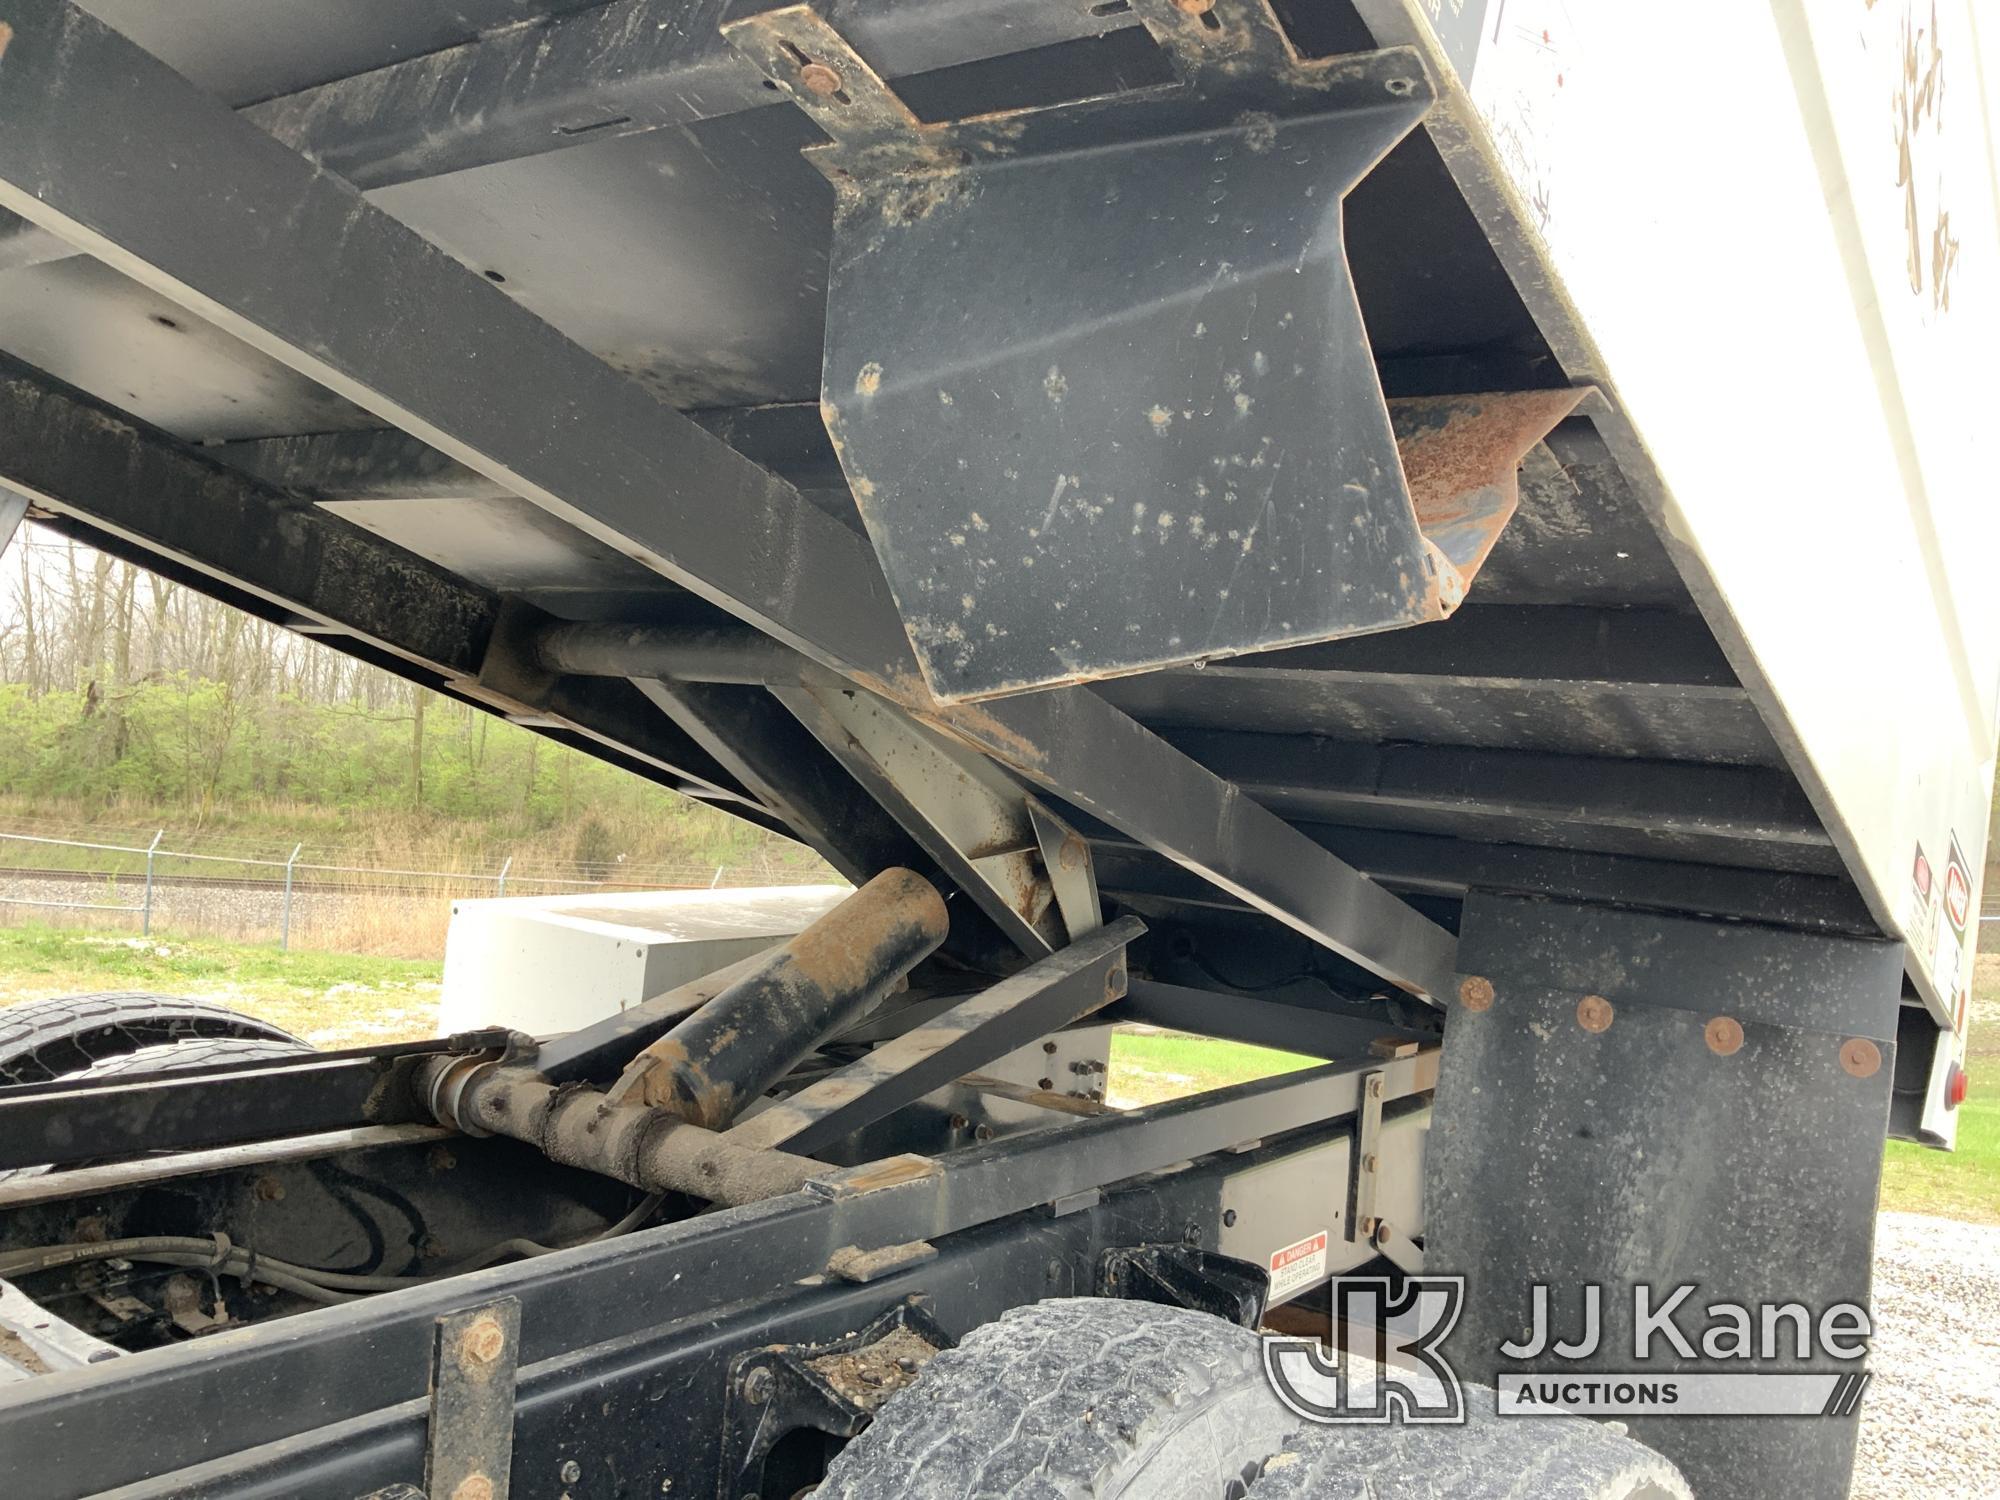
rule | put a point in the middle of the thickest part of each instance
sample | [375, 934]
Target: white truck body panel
[1791, 272]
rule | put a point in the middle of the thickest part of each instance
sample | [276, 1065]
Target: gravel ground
[1930, 1424]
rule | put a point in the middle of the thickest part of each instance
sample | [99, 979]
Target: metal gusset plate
[1097, 374]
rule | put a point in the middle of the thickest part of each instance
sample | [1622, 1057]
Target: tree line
[119, 685]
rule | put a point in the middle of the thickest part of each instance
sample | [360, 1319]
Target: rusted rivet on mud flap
[473, 1487]
[818, 78]
[1594, 1013]
[483, 1343]
[1475, 993]
[1724, 1036]
[1860, 1057]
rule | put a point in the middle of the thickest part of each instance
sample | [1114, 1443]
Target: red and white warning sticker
[1957, 889]
[1298, 1265]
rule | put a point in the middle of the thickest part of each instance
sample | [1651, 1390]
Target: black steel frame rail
[105, 145]
[299, 1376]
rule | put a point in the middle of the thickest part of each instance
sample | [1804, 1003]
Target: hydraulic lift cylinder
[740, 1043]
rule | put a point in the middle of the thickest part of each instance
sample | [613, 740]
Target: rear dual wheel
[1091, 1399]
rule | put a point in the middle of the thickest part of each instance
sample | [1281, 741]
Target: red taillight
[1954, 1088]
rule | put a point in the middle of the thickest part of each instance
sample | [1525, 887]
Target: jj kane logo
[1388, 1363]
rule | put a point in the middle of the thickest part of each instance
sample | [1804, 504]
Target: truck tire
[42, 1040]
[1075, 1397]
[202, 1052]
[1490, 1457]
[91, 1036]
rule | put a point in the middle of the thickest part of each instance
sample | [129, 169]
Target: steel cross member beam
[601, 72]
[172, 506]
[105, 145]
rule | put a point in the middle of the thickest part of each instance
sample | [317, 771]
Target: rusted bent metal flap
[1461, 458]
[1097, 375]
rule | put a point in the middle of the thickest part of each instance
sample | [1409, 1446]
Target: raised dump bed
[1448, 538]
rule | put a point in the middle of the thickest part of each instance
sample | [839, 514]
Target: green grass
[331, 999]
[1961, 1184]
[1148, 1066]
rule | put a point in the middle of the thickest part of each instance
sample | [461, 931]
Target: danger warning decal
[1298, 1265]
[1957, 889]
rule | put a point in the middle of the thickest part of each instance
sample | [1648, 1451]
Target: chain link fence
[237, 893]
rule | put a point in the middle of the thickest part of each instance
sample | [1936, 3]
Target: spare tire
[42, 1040]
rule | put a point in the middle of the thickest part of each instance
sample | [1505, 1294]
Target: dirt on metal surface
[871, 1375]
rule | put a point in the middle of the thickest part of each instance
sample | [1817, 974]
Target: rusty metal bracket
[835, 1388]
[1070, 871]
[470, 1450]
[1367, 1175]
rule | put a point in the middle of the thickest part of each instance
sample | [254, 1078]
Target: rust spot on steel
[1475, 992]
[1724, 1036]
[840, 954]
[818, 78]
[483, 1343]
[1860, 1057]
[1594, 1013]
[891, 1172]
[1461, 456]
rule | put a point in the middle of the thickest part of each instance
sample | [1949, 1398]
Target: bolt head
[757, 1386]
[473, 1487]
[1594, 1013]
[482, 1343]
[1475, 993]
[571, 1471]
[1724, 1036]
[819, 79]
[270, 1190]
[1860, 1057]
[1050, 1048]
